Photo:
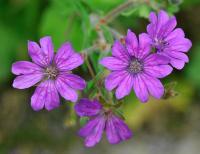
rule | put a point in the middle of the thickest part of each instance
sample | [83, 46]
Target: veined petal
[117, 130]
[65, 90]
[156, 59]
[119, 51]
[94, 136]
[155, 87]
[168, 27]
[85, 107]
[113, 63]
[177, 33]
[89, 127]
[38, 55]
[140, 88]
[153, 17]
[178, 64]
[112, 132]
[47, 48]
[144, 45]
[159, 71]
[27, 80]
[66, 59]
[177, 55]
[114, 79]
[131, 43]
[45, 95]
[63, 53]
[151, 30]
[25, 67]
[163, 18]
[124, 87]
[72, 62]
[74, 81]
[180, 44]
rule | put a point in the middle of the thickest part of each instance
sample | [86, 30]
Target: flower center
[160, 44]
[135, 66]
[51, 72]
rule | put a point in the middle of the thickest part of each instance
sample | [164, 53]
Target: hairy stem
[89, 67]
[118, 10]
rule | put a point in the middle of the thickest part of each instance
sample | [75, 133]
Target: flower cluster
[134, 66]
[101, 119]
[138, 64]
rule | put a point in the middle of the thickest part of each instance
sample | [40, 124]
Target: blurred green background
[170, 126]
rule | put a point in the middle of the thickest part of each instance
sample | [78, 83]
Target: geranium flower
[101, 120]
[50, 74]
[168, 40]
[133, 66]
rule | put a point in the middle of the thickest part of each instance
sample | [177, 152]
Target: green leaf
[144, 11]
[62, 28]
[83, 120]
[193, 69]
[103, 5]
[8, 45]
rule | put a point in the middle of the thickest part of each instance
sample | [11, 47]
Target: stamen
[160, 44]
[51, 72]
[135, 66]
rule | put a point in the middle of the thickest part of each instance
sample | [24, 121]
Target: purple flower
[133, 66]
[52, 74]
[100, 120]
[168, 40]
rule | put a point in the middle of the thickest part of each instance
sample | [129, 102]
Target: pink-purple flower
[133, 66]
[51, 74]
[168, 40]
[101, 119]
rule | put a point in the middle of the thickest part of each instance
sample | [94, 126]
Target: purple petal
[63, 53]
[89, 127]
[74, 81]
[140, 88]
[93, 131]
[124, 87]
[163, 18]
[144, 45]
[180, 44]
[45, 95]
[25, 67]
[47, 48]
[65, 90]
[151, 30]
[168, 27]
[113, 63]
[153, 17]
[86, 107]
[27, 80]
[122, 130]
[177, 33]
[177, 55]
[131, 43]
[160, 71]
[178, 64]
[155, 87]
[114, 79]
[66, 59]
[157, 23]
[38, 55]
[156, 59]
[112, 132]
[119, 51]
